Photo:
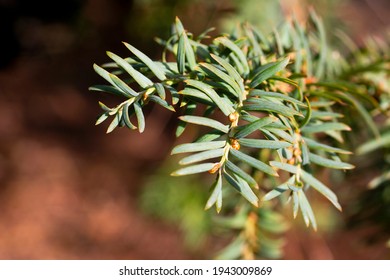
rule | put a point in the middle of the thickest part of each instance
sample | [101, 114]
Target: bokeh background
[68, 191]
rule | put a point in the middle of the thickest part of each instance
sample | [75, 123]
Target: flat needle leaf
[193, 169]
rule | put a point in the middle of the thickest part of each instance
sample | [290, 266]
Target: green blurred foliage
[179, 201]
[265, 14]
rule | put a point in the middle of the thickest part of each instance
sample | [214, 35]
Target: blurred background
[68, 191]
